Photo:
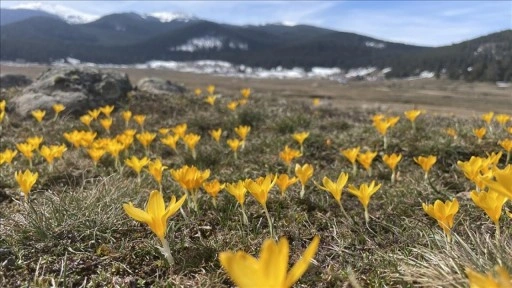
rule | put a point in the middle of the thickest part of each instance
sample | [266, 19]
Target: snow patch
[360, 72]
[165, 17]
[376, 45]
[208, 43]
[67, 14]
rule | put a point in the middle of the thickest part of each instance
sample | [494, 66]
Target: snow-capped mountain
[67, 14]
[165, 17]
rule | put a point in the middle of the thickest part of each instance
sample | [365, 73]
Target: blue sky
[430, 23]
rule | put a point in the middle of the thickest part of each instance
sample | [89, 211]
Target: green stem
[167, 251]
[270, 225]
[366, 216]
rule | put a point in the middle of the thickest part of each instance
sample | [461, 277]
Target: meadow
[74, 228]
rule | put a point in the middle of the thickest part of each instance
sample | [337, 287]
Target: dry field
[74, 232]
[442, 96]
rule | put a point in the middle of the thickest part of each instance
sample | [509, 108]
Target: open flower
[300, 137]
[213, 188]
[107, 110]
[246, 92]
[106, 123]
[191, 140]
[190, 179]
[335, 188]
[198, 92]
[232, 105]
[94, 113]
[210, 89]
[216, 134]
[96, 154]
[502, 183]
[180, 129]
[502, 119]
[50, 153]
[479, 133]
[155, 168]
[136, 164]
[38, 115]
[426, 163]
[501, 279]
[234, 144]
[392, 161]
[366, 159]
[451, 132]
[156, 216]
[27, 150]
[492, 203]
[242, 132]
[304, 173]
[351, 155]
[57, 108]
[210, 99]
[238, 191]
[284, 181]
[271, 269]
[363, 193]
[507, 145]
[126, 115]
[140, 119]
[412, 114]
[26, 180]
[170, 141]
[7, 156]
[288, 154]
[146, 138]
[443, 213]
[86, 120]
[487, 117]
[260, 189]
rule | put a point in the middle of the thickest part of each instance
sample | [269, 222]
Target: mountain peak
[67, 14]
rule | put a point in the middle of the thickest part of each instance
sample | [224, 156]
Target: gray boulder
[159, 86]
[14, 80]
[79, 89]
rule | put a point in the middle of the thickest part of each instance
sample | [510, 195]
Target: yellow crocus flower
[304, 173]
[210, 99]
[26, 180]
[136, 164]
[288, 154]
[96, 154]
[487, 117]
[139, 119]
[392, 161]
[284, 181]
[27, 150]
[503, 181]
[106, 123]
[480, 133]
[155, 168]
[191, 141]
[271, 269]
[232, 105]
[234, 144]
[412, 114]
[216, 134]
[213, 188]
[426, 163]
[507, 145]
[443, 213]
[35, 141]
[246, 92]
[451, 132]
[94, 113]
[492, 203]
[107, 110]
[210, 89]
[300, 137]
[502, 119]
[156, 216]
[7, 156]
[86, 120]
[127, 115]
[335, 188]
[164, 130]
[351, 155]
[180, 129]
[501, 279]
[146, 138]
[260, 189]
[238, 191]
[242, 131]
[57, 108]
[198, 92]
[363, 194]
[366, 159]
[38, 115]
[171, 141]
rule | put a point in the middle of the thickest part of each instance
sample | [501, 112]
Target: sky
[427, 23]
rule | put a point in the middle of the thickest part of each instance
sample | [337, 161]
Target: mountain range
[127, 38]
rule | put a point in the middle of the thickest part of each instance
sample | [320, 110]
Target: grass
[74, 233]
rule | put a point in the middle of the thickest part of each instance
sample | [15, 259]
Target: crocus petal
[136, 213]
[173, 207]
[274, 261]
[242, 268]
[156, 205]
[302, 265]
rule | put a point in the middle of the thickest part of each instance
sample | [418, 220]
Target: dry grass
[73, 232]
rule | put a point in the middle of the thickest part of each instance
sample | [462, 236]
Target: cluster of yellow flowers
[493, 186]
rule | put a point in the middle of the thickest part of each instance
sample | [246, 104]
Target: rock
[79, 89]
[14, 80]
[159, 86]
